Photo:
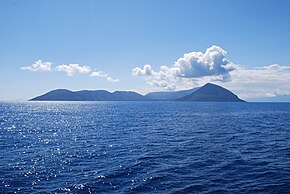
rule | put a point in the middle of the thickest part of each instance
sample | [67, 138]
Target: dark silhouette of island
[87, 95]
[211, 93]
[207, 93]
[170, 95]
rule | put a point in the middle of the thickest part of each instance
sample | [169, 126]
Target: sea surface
[144, 147]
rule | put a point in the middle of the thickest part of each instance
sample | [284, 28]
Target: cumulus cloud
[197, 64]
[98, 74]
[101, 74]
[104, 75]
[194, 65]
[274, 67]
[147, 70]
[38, 66]
[72, 69]
[109, 79]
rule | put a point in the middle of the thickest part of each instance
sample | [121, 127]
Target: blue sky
[113, 38]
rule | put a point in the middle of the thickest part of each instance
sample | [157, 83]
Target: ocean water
[144, 147]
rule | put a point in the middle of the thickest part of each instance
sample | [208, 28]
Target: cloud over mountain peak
[212, 63]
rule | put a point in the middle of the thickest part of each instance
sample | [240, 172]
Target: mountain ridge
[208, 92]
[170, 95]
[89, 95]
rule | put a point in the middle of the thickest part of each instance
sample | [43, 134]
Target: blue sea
[144, 147]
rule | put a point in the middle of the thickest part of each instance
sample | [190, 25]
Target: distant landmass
[86, 95]
[169, 95]
[211, 93]
[206, 93]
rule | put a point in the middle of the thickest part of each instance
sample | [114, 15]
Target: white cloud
[39, 66]
[147, 70]
[260, 82]
[197, 64]
[98, 74]
[72, 69]
[274, 67]
[104, 75]
[109, 79]
[194, 65]
[165, 78]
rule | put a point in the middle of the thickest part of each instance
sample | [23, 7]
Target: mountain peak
[211, 93]
[210, 84]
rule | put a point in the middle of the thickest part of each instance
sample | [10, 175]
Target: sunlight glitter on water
[144, 147]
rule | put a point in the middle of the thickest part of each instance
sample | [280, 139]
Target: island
[207, 93]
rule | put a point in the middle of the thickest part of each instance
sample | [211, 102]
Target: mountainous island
[211, 93]
[207, 93]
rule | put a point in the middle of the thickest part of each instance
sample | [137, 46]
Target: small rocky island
[207, 93]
